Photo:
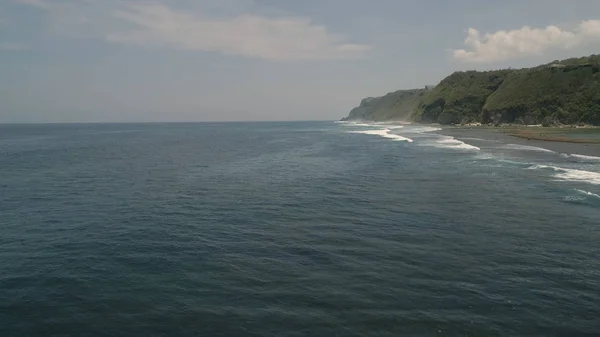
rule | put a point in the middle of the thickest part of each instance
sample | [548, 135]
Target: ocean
[293, 229]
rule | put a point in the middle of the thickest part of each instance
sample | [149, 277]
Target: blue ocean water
[293, 229]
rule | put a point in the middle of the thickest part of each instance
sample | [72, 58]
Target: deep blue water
[292, 229]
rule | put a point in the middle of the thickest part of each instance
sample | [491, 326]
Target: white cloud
[153, 24]
[247, 35]
[506, 45]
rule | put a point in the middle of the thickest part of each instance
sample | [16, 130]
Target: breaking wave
[580, 157]
[526, 148]
[570, 174]
[588, 193]
[357, 124]
[453, 143]
[385, 133]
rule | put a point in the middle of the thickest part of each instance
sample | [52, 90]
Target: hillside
[459, 97]
[554, 94]
[398, 105]
[561, 92]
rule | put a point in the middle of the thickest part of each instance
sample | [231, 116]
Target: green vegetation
[561, 92]
[459, 97]
[398, 105]
[550, 95]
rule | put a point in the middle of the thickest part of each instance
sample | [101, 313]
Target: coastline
[560, 140]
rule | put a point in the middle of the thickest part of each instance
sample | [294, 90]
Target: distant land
[563, 92]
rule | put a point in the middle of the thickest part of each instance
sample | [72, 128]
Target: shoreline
[560, 140]
[558, 136]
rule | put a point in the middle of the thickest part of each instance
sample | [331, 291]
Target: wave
[526, 148]
[571, 174]
[588, 193]
[574, 199]
[358, 124]
[580, 157]
[453, 143]
[385, 133]
[389, 125]
[582, 197]
[479, 139]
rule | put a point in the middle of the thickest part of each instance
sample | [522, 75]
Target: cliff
[459, 97]
[398, 105]
[561, 92]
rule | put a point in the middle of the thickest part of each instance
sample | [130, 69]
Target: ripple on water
[283, 229]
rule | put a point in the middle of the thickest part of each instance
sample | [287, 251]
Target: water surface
[293, 229]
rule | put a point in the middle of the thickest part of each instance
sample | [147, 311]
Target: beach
[576, 141]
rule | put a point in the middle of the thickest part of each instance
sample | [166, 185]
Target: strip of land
[582, 141]
[565, 135]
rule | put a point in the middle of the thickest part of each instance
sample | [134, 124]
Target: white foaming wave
[570, 198]
[571, 174]
[588, 193]
[541, 167]
[580, 157]
[359, 124]
[526, 148]
[385, 133]
[453, 143]
[388, 125]
[351, 123]
[580, 175]
[477, 139]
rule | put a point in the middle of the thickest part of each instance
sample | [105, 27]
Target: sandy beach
[503, 135]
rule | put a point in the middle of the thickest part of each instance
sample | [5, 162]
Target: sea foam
[479, 139]
[358, 124]
[571, 174]
[453, 143]
[385, 133]
[580, 157]
[588, 193]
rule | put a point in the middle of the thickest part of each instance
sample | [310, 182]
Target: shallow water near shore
[585, 141]
[294, 229]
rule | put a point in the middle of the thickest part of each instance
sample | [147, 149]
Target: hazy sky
[196, 60]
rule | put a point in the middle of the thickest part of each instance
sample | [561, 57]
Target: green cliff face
[399, 105]
[562, 92]
[552, 94]
[459, 97]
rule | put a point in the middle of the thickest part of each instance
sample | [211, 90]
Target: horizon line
[173, 122]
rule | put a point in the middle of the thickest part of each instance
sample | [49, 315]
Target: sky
[245, 60]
